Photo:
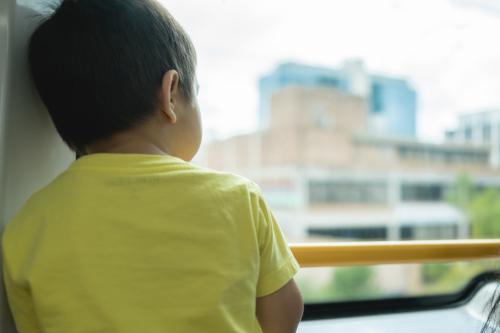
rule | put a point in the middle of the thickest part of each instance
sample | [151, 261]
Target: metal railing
[386, 252]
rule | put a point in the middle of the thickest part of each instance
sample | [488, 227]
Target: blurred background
[360, 120]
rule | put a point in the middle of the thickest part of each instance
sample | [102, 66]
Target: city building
[327, 177]
[482, 128]
[391, 101]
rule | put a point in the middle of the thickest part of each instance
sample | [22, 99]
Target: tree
[462, 193]
[481, 207]
[346, 283]
[353, 283]
[484, 214]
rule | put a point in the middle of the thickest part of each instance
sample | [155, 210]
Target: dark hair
[493, 320]
[98, 65]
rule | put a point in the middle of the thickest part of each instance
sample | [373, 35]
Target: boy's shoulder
[226, 185]
[210, 179]
[226, 180]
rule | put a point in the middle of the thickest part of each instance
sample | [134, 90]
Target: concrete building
[480, 128]
[391, 102]
[326, 176]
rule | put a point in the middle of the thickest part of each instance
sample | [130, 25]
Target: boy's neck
[135, 146]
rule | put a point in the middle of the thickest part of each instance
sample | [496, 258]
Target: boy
[131, 237]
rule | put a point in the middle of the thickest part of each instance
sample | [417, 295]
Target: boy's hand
[281, 311]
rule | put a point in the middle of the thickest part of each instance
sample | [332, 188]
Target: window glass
[360, 120]
[386, 281]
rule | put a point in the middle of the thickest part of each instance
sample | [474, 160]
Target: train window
[320, 285]
[360, 120]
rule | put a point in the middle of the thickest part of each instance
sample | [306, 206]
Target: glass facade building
[391, 101]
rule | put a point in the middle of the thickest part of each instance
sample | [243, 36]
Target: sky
[446, 49]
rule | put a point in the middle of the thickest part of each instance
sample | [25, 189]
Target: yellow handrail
[405, 252]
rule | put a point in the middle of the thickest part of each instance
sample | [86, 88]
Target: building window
[368, 233]
[324, 192]
[429, 232]
[486, 133]
[325, 81]
[450, 135]
[377, 98]
[468, 133]
[422, 192]
[443, 155]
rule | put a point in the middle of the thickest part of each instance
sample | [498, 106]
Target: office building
[480, 128]
[391, 101]
[326, 176]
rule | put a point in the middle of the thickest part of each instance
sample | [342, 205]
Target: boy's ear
[169, 95]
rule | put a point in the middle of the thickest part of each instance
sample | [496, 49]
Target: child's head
[109, 68]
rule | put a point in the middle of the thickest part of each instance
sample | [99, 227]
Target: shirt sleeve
[20, 302]
[277, 263]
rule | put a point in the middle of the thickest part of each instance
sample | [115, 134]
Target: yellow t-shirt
[143, 243]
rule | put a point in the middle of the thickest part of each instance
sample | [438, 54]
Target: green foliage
[452, 277]
[353, 283]
[431, 273]
[347, 283]
[462, 193]
[481, 207]
[310, 291]
[484, 214]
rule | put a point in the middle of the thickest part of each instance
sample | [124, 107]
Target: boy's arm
[19, 298]
[279, 304]
[281, 311]
[21, 307]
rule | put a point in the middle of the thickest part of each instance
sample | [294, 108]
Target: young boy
[131, 237]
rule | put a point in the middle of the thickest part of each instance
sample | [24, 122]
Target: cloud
[446, 48]
[490, 7]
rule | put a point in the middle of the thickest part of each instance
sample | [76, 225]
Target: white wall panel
[31, 153]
